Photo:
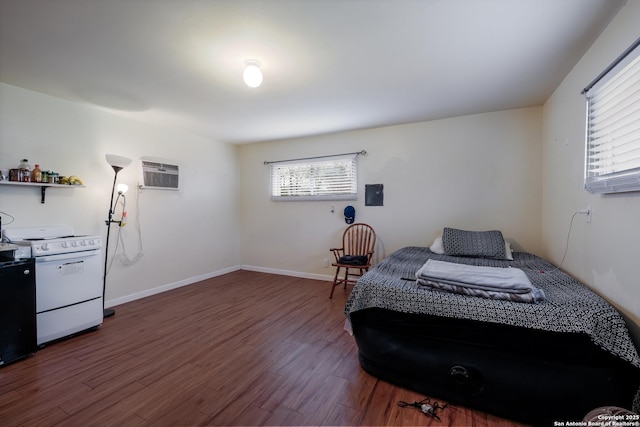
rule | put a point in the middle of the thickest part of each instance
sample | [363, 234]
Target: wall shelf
[43, 186]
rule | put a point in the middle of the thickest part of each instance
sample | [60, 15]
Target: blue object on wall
[349, 214]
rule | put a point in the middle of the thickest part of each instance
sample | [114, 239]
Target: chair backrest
[359, 239]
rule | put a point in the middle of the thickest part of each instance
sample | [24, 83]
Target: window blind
[612, 160]
[315, 179]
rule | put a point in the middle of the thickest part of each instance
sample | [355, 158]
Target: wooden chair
[358, 244]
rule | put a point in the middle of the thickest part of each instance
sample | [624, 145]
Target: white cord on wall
[566, 246]
[123, 257]
[9, 215]
[1, 224]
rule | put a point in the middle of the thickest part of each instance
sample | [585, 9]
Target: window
[334, 178]
[612, 160]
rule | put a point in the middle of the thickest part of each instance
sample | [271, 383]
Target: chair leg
[346, 277]
[346, 280]
[335, 282]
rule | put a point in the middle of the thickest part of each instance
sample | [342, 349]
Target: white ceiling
[329, 65]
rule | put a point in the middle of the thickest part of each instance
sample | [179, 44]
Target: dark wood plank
[245, 348]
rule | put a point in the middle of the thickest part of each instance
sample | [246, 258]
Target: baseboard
[168, 287]
[192, 280]
[288, 273]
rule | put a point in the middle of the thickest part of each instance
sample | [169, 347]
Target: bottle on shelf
[24, 171]
[36, 174]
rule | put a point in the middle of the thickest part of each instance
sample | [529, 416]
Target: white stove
[69, 292]
[49, 241]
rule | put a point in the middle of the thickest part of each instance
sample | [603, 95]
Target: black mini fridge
[17, 309]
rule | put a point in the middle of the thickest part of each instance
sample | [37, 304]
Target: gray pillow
[489, 244]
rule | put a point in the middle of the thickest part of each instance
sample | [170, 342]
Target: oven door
[67, 279]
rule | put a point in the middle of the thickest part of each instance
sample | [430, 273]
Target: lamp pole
[117, 163]
[108, 312]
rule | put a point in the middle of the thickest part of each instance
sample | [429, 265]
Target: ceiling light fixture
[252, 75]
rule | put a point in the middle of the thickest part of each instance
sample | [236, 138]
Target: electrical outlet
[586, 212]
[325, 263]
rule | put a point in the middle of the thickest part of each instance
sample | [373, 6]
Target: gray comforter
[570, 306]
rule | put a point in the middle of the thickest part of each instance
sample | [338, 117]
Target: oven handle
[68, 256]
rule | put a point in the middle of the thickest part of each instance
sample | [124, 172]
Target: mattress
[514, 358]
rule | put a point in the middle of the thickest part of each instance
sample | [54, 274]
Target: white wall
[605, 252]
[476, 172]
[186, 235]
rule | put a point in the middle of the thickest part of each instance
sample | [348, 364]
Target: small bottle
[45, 177]
[36, 174]
[24, 171]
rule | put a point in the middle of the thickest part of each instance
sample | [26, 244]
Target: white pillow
[438, 247]
[508, 253]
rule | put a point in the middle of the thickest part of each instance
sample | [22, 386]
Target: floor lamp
[117, 163]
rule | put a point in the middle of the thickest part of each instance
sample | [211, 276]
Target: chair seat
[353, 260]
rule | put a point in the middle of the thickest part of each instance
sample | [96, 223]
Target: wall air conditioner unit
[159, 175]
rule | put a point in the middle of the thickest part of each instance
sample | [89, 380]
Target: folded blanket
[487, 282]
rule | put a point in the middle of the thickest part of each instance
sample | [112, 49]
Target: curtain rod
[362, 152]
[618, 60]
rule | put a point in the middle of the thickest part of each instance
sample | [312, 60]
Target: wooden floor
[245, 348]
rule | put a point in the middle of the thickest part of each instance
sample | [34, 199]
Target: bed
[535, 362]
